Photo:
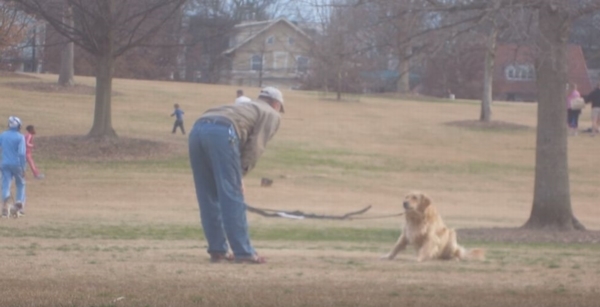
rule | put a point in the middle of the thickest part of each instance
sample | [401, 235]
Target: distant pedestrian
[178, 113]
[241, 98]
[594, 99]
[29, 152]
[573, 108]
[12, 143]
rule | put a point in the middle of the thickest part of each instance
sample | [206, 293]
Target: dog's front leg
[429, 250]
[398, 247]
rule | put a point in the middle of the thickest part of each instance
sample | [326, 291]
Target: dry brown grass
[329, 158]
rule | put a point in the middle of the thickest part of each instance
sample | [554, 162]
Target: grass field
[127, 233]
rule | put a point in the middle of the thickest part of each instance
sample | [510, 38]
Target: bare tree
[390, 34]
[341, 49]
[490, 61]
[397, 36]
[586, 33]
[515, 24]
[106, 29]
[66, 75]
[338, 54]
[551, 200]
[14, 25]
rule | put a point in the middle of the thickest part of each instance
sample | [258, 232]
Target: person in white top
[241, 98]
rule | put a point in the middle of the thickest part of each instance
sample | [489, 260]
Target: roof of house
[511, 54]
[267, 25]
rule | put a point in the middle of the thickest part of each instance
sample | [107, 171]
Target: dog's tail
[471, 254]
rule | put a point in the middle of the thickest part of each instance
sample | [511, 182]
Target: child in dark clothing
[178, 113]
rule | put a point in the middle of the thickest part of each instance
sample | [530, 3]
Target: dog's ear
[424, 202]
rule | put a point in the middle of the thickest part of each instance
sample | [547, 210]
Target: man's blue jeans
[8, 172]
[216, 165]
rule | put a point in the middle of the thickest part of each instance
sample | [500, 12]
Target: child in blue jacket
[12, 144]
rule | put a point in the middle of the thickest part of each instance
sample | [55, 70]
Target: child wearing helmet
[12, 144]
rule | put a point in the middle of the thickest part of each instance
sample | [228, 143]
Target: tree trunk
[67, 70]
[181, 56]
[34, 60]
[552, 200]
[404, 71]
[339, 85]
[488, 78]
[102, 126]
[260, 75]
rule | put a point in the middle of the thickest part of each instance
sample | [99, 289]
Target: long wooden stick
[301, 215]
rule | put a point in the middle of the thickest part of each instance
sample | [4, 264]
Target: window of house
[280, 60]
[256, 62]
[270, 40]
[531, 73]
[510, 72]
[520, 72]
[291, 41]
[302, 64]
[596, 21]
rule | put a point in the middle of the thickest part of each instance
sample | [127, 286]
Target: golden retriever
[426, 231]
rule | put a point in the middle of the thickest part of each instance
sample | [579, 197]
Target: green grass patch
[470, 168]
[107, 232]
[553, 265]
[298, 157]
[179, 163]
[529, 253]
[184, 232]
[344, 234]
[399, 98]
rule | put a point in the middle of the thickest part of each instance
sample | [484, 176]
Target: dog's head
[416, 201]
[416, 205]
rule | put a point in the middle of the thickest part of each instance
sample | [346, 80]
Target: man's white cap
[14, 122]
[273, 93]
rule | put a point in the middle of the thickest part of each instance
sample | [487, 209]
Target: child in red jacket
[29, 151]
